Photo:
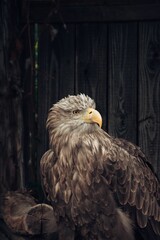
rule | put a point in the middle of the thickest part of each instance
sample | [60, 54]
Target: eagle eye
[76, 111]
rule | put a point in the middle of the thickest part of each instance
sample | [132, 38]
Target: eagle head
[72, 115]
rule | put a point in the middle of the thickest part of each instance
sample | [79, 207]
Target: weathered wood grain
[29, 107]
[122, 88]
[47, 85]
[149, 91]
[24, 216]
[99, 2]
[105, 2]
[11, 157]
[64, 51]
[56, 73]
[91, 64]
[46, 11]
[7, 234]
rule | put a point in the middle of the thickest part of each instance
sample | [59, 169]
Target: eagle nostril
[90, 112]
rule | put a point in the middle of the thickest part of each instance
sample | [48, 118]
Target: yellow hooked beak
[92, 116]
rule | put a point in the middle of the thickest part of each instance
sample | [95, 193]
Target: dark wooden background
[107, 49]
[116, 63]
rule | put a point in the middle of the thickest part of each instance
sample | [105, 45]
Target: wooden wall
[11, 119]
[107, 49]
[118, 64]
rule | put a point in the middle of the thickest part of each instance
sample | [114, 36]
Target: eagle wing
[132, 179]
[121, 165]
[46, 164]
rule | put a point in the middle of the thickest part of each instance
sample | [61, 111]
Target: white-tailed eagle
[100, 187]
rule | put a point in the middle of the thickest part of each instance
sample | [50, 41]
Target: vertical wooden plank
[11, 126]
[29, 110]
[122, 87]
[56, 73]
[149, 91]
[91, 64]
[64, 50]
[45, 79]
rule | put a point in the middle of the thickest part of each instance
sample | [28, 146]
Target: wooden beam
[122, 86]
[105, 2]
[96, 2]
[149, 82]
[45, 12]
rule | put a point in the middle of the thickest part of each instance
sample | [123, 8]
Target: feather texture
[89, 175]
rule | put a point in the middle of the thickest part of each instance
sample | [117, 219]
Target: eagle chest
[79, 190]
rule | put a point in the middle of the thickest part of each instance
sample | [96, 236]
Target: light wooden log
[23, 215]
